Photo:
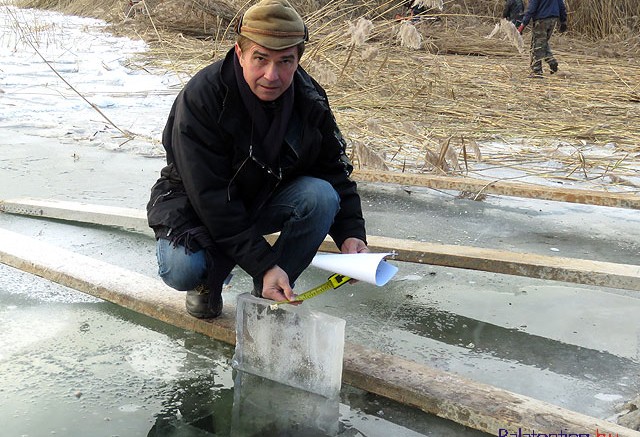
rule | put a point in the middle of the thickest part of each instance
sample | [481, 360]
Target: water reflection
[254, 407]
[192, 412]
[263, 407]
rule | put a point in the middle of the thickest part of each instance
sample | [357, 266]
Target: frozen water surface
[71, 364]
[93, 65]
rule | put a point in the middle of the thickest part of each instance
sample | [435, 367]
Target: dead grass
[444, 106]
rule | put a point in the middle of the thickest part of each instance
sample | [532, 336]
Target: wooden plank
[555, 268]
[513, 189]
[573, 270]
[125, 218]
[444, 394]
[478, 406]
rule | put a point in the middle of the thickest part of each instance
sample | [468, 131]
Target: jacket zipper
[236, 174]
[160, 196]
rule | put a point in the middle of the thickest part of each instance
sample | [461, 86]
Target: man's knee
[180, 282]
[320, 195]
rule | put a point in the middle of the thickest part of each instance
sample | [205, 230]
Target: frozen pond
[71, 365]
[55, 67]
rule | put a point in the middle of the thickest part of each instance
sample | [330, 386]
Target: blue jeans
[302, 210]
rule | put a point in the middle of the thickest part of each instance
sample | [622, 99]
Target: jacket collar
[234, 117]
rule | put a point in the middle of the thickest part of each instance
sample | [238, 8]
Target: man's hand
[520, 29]
[354, 245]
[275, 285]
[563, 27]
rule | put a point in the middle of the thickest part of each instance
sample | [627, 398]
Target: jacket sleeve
[531, 10]
[507, 9]
[202, 155]
[334, 166]
[563, 11]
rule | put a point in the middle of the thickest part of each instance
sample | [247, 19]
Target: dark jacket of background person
[224, 180]
[539, 9]
[513, 11]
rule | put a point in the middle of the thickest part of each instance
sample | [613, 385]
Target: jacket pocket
[169, 207]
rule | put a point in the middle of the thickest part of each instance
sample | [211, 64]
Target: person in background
[414, 11]
[546, 15]
[513, 11]
[252, 148]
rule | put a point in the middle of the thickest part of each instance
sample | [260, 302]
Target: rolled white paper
[367, 267]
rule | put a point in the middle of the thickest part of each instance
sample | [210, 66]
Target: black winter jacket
[513, 10]
[216, 178]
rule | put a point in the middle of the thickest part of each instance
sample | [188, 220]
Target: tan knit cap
[273, 24]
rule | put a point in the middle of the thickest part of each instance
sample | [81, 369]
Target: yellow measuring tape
[336, 280]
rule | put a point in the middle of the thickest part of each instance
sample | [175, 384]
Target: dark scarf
[269, 119]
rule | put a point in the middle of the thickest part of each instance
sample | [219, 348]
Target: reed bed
[441, 95]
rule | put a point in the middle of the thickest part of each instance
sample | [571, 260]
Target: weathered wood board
[512, 189]
[579, 271]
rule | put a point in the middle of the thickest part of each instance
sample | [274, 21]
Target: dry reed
[409, 36]
[451, 105]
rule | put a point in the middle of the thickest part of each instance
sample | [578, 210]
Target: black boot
[536, 74]
[204, 304]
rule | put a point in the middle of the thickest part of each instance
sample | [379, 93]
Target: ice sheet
[291, 345]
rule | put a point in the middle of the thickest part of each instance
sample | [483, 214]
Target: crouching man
[252, 148]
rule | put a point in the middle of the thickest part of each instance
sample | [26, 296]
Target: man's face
[268, 72]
